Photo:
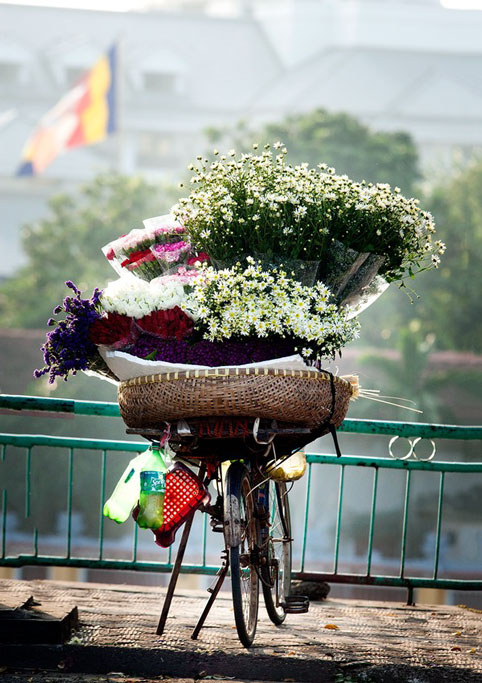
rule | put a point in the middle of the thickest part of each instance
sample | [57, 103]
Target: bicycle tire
[276, 582]
[239, 513]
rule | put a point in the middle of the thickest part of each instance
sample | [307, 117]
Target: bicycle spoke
[244, 579]
[276, 573]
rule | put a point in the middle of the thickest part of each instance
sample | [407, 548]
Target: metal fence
[25, 447]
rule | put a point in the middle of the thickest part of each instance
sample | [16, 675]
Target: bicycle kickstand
[177, 567]
[174, 576]
[214, 592]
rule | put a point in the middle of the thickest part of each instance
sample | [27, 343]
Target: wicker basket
[305, 397]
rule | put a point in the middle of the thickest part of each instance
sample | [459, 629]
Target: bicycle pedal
[296, 604]
[216, 525]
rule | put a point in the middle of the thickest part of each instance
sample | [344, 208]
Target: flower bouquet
[263, 267]
[362, 236]
[161, 247]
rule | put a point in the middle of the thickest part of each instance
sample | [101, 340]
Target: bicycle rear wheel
[241, 534]
[276, 571]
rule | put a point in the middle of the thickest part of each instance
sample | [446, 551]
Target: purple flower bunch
[212, 354]
[68, 347]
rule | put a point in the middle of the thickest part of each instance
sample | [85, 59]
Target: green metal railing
[70, 445]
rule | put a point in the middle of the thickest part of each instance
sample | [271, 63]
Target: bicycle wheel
[241, 534]
[276, 570]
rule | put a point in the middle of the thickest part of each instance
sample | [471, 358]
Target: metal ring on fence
[396, 457]
[432, 454]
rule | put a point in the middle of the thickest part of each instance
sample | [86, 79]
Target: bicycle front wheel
[241, 533]
[276, 571]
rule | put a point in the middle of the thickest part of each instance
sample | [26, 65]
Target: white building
[187, 65]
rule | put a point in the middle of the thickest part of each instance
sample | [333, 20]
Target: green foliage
[409, 376]
[339, 140]
[67, 244]
[388, 531]
[447, 305]
[422, 523]
[404, 376]
[451, 306]
[49, 475]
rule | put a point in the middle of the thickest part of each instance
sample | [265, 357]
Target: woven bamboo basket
[305, 397]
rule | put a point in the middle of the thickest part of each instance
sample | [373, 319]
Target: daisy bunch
[258, 203]
[244, 303]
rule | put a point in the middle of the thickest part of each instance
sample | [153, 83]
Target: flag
[85, 115]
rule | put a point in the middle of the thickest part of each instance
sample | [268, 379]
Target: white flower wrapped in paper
[127, 296]
[164, 295]
[136, 298]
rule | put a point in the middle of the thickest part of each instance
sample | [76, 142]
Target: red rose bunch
[113, 329]
[201, 257]
[170, 324]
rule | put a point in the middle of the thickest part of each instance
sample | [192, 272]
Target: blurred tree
[403, 376]
[388, 532]
[422, 524]
[449, 307]
[409, 376]
[339, 140]
[67, 244]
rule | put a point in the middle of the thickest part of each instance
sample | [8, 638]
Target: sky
[124, 5]
[105, 5]
[462, 4]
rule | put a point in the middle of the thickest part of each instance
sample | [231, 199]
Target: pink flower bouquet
[171, 254]
[136, 251]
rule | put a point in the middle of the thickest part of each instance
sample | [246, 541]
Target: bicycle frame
[248, 443]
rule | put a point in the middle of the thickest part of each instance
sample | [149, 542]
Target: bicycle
[251, 510]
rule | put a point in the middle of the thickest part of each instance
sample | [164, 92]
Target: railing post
[102, 501]
[28, 465]
[4, 521]
[439, 524]
[410, 600]
[372, 521]
[338, 519]
[305, 522]
[405, 524]
[69, 502]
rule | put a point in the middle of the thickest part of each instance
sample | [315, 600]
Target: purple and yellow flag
[85, 115]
